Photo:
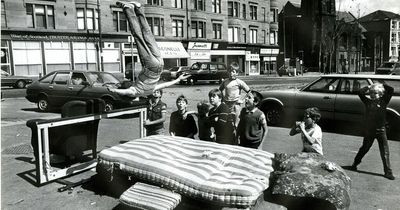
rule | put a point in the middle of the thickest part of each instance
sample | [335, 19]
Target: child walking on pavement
[311, 133]
[181, 123]
[148, 51]
[375, 113]
[221, 119]
[156, 115]
[252, 129]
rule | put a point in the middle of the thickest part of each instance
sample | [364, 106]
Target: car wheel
[108, 105]
[43, 104]
[20, 84]
[273, 114]
[191, 81]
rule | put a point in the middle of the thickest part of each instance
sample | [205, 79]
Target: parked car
[206, 71]
[14, 81]
[172, 73]
[389, 68]
[58, 87]
[287, 70]
[337, 98]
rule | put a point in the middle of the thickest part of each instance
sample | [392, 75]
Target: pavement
[369, 190]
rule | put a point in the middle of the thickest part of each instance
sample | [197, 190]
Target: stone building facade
[40, 36]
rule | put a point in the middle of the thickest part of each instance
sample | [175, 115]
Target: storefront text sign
[200, 55]
[52, 37]
[252, 57]
[172, 50]
[199, 46]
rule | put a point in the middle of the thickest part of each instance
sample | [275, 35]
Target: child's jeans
[148, 50]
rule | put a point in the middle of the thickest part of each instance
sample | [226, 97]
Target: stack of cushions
[221, 174]
[144, 196]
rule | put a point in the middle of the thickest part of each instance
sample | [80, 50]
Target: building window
[3, 15]
[177, 3]
[119, 21]
[177, 28]
[216, 6]
[233, 9]
[155, 2]
[244, 36]
[157, 25]
[198, 29]
[264, 34]
[233, 34]
[217, 28]
[394, 24]
[253, 36]
[272, 37]
[244, 11]
[264, 14]
[273, 15]
[40, 16]
[253, 12]
[394, 37]
[200, 5]
[88, 20]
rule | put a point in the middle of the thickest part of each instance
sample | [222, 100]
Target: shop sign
[252, 57]
[200, 55]
[172, 50]
[269, 51]
[199, 46]
[44, 37]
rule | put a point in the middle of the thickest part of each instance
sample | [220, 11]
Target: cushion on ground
[310, 175]
[144, 196]
[223, 174]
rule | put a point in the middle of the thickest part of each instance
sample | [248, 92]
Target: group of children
[222, 119]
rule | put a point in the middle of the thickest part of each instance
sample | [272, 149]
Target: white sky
[361, 8]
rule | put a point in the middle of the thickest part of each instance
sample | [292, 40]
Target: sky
[361, 8]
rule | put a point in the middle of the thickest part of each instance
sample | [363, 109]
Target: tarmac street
[369, 190]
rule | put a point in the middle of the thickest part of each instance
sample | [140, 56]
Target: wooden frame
[45, 173]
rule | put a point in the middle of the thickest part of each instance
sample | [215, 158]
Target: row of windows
[234, 10]
[42, 16]
[235, 36]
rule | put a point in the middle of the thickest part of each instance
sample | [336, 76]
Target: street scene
[109, 104]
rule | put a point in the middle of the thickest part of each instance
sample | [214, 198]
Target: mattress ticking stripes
[222, 174]
[144, 196]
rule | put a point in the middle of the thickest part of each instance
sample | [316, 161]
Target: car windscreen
[174, 69]
[102, 78]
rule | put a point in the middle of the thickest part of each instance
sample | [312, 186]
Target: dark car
[58, 87]
[388, 68]
[337, 98]
[206, 71]
[14, 81]
[173, 72]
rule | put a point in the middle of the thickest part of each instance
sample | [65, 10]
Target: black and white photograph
[200, 104]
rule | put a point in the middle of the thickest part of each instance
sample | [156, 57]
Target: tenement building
[40, 36]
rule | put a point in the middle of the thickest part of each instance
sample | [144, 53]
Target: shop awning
[172, 50]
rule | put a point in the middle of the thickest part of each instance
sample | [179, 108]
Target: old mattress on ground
[222, 174]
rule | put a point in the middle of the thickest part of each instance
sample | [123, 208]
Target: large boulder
[309, 179]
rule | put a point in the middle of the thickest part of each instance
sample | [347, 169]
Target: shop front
[252, 63]
[39, 54]
[268, 59]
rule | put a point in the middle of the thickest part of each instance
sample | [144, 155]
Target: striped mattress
[221, 174]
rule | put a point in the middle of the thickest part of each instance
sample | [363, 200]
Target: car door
[76, 87]
[57, 91]
[320, 94]
[348, 106]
